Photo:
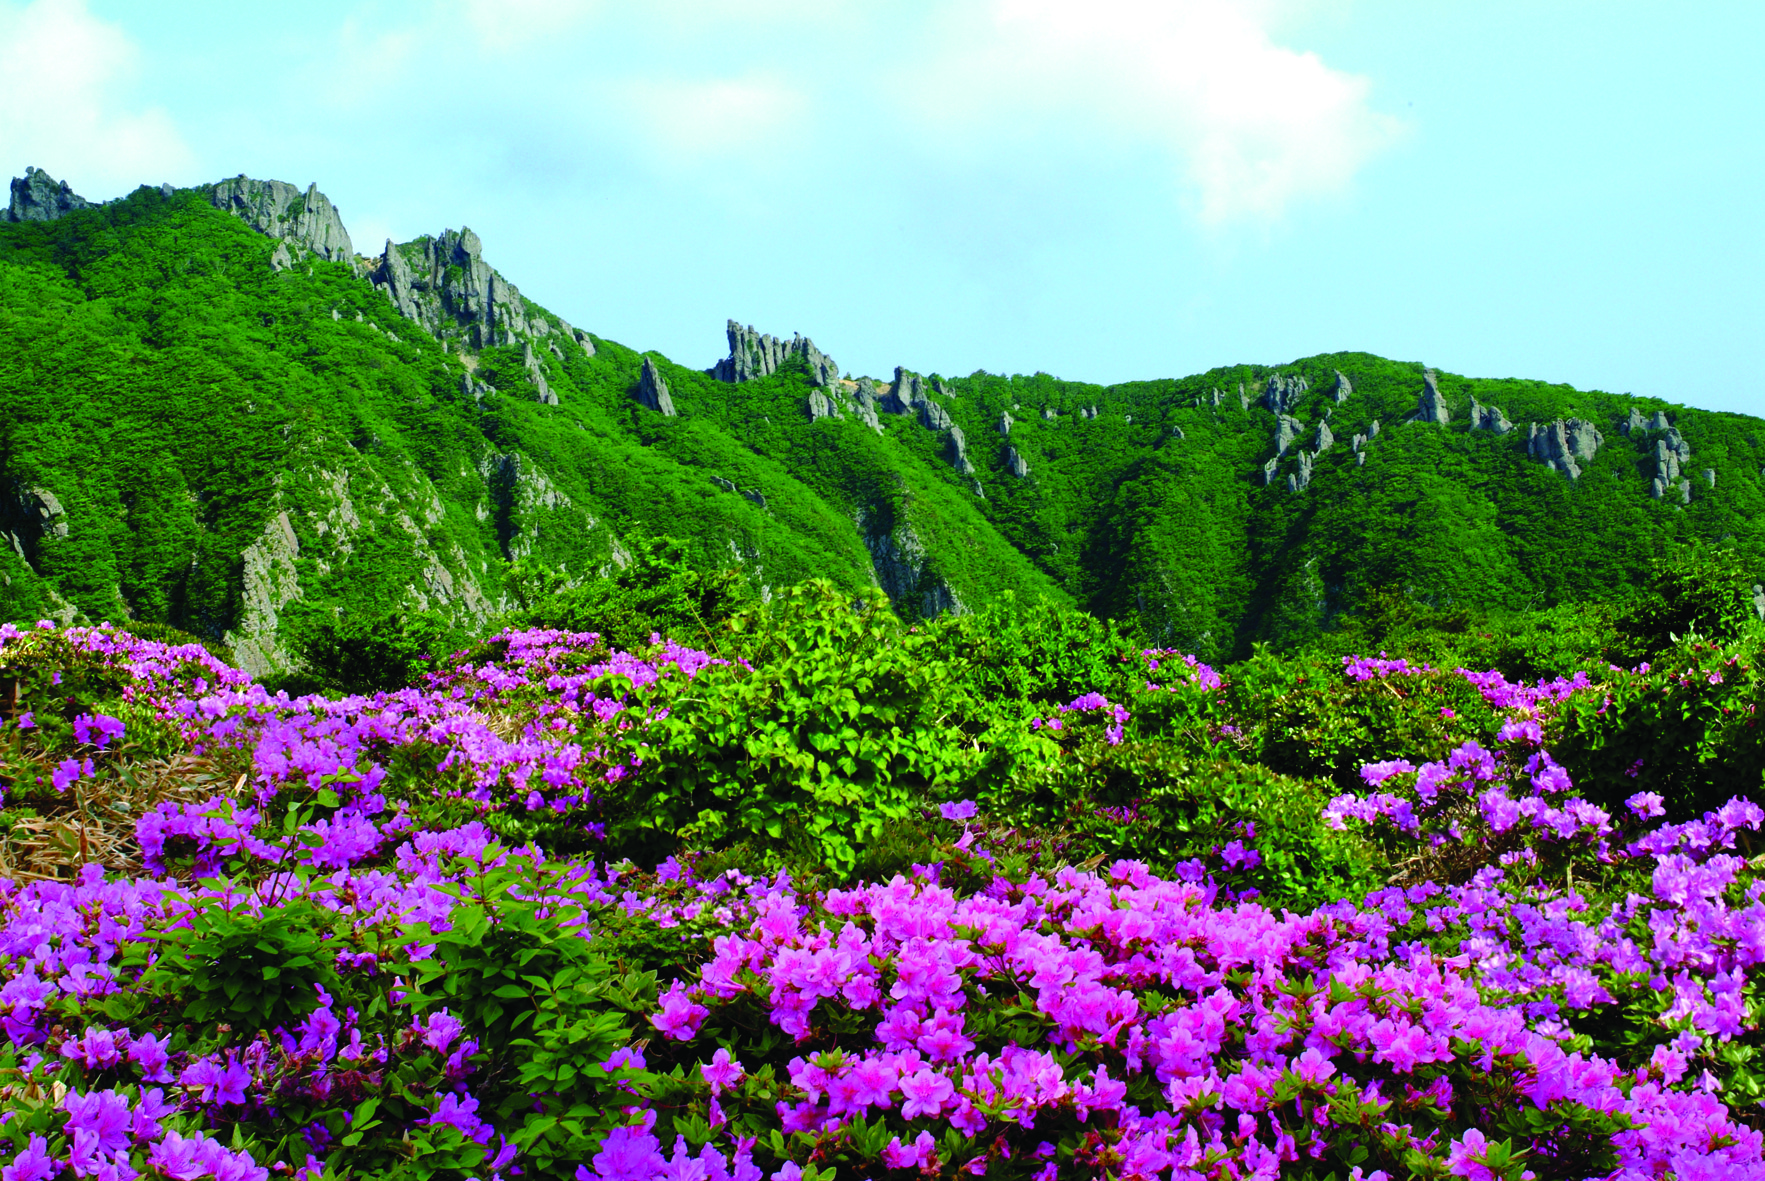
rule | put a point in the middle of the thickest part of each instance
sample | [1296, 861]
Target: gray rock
[1016, 463]
[1177, 433]
[959, 452]
[865, 396]
[1759, 600]
[822, 406]
[726, 485]
[1564, 444]
[1361, 459]
[1489, 418]
[1357, 444]
[1268, 471]
[1243, 398]
[933, 417]
[1324, 439]
[1659, 421]
[1635, 424]
[166, 191]
[1049, 414]
[1685, 491]
[582, 339]
[1373, 429]
[1217, 396]
[36, 196]
[1658, 488]
[1344, 387]
[1005, 425]
[50, 518]
[279, 258]
[652, 391]
[1431, 405]
[1281, 393]
[1287, 431]
[755, 495]
[279, 210]
[1298, 481]
[1710, 476]
[542, 391]
[753, 355]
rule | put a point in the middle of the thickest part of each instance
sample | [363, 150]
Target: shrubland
[799, 889]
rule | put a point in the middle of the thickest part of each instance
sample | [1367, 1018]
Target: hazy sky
[1103, 190]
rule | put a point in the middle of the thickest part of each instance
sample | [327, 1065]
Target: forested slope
[215, 414]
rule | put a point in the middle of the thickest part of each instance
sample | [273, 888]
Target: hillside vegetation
[216, 417]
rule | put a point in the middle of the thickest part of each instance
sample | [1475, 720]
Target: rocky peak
[278, 210]
[1431, 406]
[652, 390]
[37, 196]
[753, 355]
[444, 284]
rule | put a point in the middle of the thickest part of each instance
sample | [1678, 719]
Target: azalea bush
[826, 908]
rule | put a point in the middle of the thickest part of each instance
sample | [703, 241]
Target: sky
[1106, 191]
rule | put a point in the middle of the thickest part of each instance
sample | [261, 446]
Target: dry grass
[94, 823]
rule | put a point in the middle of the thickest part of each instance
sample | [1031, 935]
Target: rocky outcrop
[542, 392]
[1759, 600]
[1634, 424]
[1672, 453]
[271, 582]
[1324, 439]
[1344, 387]
[1049, 414]
[306, 221]
[1016, 463]
[1489, 418]
[898, 557]
[821, 406]
[1297, 481]
[1282, 392]
[1287, 432]
[1564, 444]
[958, 447]
[444, 284]
[1268, 471]
[37, 196]
[1005, 424]
[1659, 421]
[1710, 476]
[753, 355]
[1431, 406]
[652, 390]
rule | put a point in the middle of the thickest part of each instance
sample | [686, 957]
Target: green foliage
[829, 731]
[251, 970]
[1694, 592]
[656, 592]
[356, 655]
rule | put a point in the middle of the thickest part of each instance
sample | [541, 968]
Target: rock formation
[1564, 444]
[1343, 388]
[959, 451]
[541, 391]
[754, 355]
[1489, 418]
[1016, 463]
[1710, 476]
[652, 390]
[1324, 439]
[1431, 406]
[1634, 424]
[1672, 453]
[1659, 421]
[1287, 431]
[1268, 471]
[1281, 393]
[307, 221]
[36, 196]
[444, 284]
[1005, 425]
[1297, 481]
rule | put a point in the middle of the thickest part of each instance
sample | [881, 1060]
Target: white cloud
[64, 68]
[697, 122]
[1250, 127]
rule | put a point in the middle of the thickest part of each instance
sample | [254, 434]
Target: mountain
[216, 414]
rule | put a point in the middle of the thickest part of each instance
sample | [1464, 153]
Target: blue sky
[1103, 191]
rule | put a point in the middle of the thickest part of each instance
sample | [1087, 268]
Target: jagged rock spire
[754, 355]
[37, 196]
[279, 210]
[652, 390]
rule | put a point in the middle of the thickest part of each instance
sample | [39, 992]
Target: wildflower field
[843, 898]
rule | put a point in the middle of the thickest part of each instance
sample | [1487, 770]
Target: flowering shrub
[350, 953]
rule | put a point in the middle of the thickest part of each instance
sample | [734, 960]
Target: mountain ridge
[388, 432]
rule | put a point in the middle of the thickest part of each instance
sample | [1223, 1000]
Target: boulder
[1489, 418]
[1324, 440]
[1659, 421]
[1287, 432]
[821, 406]
[652, 391]
[1005, 425]
[1016, 463]
[1298, 480]
[36, 196]
[1759, 600]
[958, 447]
[1343, 388]
[1268, 471]
[1635, 424]
[1431, 405]
[1565, 444]
[1049, 414]
[1373, 429]
[1710, 476]
[1177, 433]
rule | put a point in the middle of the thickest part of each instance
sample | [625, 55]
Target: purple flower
[960, 810]
[219, 1084]
[720, 1072]
[33, 1164]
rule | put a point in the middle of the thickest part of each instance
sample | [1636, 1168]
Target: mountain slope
[215, 414]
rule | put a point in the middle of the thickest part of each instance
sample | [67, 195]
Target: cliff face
[297, 430]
